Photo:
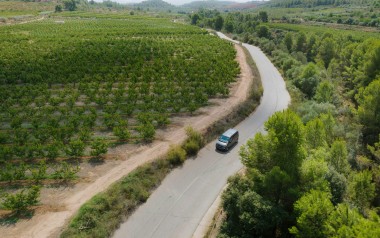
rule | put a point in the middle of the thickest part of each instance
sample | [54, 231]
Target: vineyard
[72, 88]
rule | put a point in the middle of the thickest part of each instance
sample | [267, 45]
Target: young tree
[147, 131]
[22, 201]
[75, 148]
[98, 147]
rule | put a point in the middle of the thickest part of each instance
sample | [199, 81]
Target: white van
[227, 140]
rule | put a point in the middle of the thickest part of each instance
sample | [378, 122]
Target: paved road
[176, 208]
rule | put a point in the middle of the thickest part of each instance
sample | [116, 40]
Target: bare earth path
[62, 203]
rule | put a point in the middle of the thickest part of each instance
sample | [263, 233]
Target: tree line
[316, 173]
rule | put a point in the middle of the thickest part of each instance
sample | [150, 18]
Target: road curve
[177, 206]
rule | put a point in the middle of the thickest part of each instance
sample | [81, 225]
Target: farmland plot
[71, 88]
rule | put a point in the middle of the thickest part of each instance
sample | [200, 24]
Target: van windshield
[224, 139]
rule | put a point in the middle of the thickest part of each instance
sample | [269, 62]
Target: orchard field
[71, 88]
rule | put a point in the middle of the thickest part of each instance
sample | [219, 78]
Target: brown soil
[60, 203]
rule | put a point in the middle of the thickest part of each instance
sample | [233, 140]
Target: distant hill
[157, 5]
[221, 5]
[314, 3]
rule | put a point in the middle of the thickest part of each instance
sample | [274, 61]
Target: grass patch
[102, 215]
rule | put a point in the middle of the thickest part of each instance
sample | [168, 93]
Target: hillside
[221, 5]
[314, 3]
[155, 5]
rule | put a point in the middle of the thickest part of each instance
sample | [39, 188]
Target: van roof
[229, 132]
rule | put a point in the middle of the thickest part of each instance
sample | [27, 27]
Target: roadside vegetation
[103, 214]
[316, 172]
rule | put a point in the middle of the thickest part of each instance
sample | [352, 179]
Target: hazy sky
[174, 2]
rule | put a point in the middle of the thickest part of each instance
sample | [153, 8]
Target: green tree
[313, 210]
[256, 153]
[249, 214]
[314, 172]
[75, 148]
[98, 147]
[347, 222]
[22, 201]
[263, 16]
[375, 149]
[122, 133]
[369, 106]
[286, 135]
[324, 92]
[301, 42]
[361, 190]
[229, 25]
[338, 157]
[288, 41]
[329, 123]
[219, 23]
[194, 19]
[58, 8]
[263, 31]
[70, 5]
[327, 51]
[372, 66]
[273, 160]
[315, 134]
[308, 81]
[147, 131]
[338, 185]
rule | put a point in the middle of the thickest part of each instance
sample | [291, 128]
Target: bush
[191, 147]
[195, 136]
[176, 155]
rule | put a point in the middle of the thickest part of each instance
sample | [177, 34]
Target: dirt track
[62, 203]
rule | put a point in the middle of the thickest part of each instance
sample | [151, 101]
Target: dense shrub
[176, 155]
